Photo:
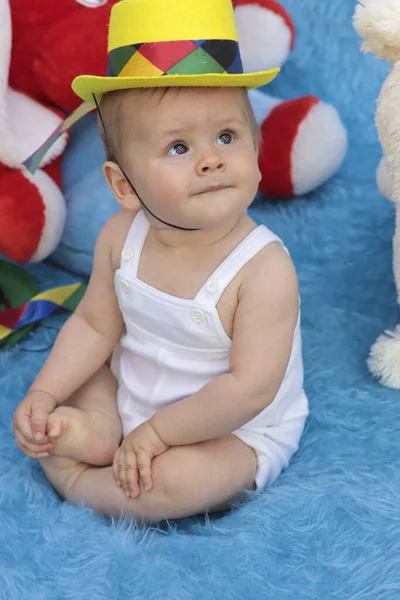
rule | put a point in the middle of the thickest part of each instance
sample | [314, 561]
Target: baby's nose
[212, 162]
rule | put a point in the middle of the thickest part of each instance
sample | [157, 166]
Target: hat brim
[87, 85]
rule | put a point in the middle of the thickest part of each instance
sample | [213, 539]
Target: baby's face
[191, 154]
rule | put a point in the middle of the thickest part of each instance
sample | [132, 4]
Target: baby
[209, 386]
[197, 305]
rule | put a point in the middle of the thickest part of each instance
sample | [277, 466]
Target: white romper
[173, 346]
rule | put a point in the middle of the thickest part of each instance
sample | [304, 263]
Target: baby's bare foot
[81, 435]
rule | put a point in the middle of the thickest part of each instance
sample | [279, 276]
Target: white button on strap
[128, 253]
[124, 287]
[197, 316]
[213, 286]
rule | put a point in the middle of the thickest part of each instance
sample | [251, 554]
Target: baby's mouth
[212, 188]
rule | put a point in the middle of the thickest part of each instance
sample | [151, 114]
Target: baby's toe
[56, 425]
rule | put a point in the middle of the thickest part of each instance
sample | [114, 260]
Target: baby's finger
[132, 475]
[39, 422]
[36, 455]
[22, 442]
[32, 454]
[32, 443]
[144, 468]
[121, 469]
[22, 421]
[115, 467]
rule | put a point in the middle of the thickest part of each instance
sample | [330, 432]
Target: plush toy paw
[266, 33]
[303, 144]
[32, 214]
[384, 359]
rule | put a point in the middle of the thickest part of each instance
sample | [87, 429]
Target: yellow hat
[163, 43]
[170, 43]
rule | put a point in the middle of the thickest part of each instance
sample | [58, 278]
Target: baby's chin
[215, 217]
[210, 210]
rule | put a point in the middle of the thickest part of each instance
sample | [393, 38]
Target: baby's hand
[30, 424]
[132, 460]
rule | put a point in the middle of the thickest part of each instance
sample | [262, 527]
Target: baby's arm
[265, 320]
[88, 337]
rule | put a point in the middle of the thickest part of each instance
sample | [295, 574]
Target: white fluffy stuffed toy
[378, 22]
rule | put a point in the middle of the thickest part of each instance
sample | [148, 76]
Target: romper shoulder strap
[215, 285]
[132, 250]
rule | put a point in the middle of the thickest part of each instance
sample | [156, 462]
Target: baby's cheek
[248, 169]
[169, 187]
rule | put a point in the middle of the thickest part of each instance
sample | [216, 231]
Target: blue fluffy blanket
[330, 526]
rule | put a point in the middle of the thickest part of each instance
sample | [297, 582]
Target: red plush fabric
[53, 170]
[22, 221]
[82, 37]
[30, 22]
[275, 7]
[53, 42]
[279, 131]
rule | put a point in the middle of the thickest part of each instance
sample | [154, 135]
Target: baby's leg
[87, 427]
[188, 480]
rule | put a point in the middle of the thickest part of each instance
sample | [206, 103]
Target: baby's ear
[120, 187]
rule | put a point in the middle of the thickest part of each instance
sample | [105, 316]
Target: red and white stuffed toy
[52, 42]
[32, 207]
[304, 139]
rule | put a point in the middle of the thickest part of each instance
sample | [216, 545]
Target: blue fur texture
[330, 526]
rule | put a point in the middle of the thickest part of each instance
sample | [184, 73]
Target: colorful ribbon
[33, 161]
[16, 319]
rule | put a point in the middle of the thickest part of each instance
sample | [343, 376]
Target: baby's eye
[226, 137]
[178, 149]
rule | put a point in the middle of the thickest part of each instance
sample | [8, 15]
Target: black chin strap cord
[128, 180]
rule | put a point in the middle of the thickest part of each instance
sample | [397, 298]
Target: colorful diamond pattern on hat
[139, 66]
[183, 57]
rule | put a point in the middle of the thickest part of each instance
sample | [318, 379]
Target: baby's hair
[111, 105]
